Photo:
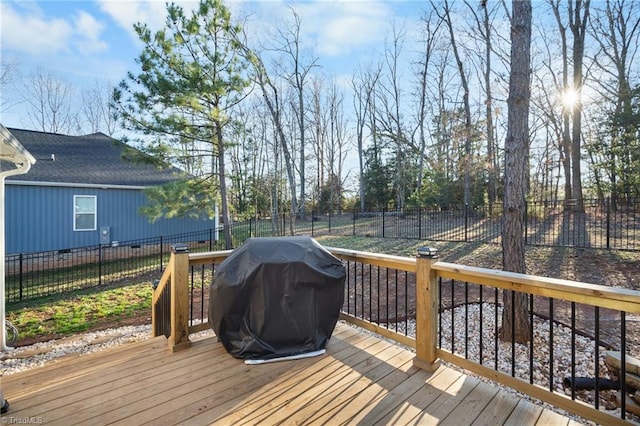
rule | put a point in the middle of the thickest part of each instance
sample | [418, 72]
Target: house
[83, 192]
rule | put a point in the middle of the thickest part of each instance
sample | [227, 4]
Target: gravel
[37, 355]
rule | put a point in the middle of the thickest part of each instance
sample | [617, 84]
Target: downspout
[22, 169]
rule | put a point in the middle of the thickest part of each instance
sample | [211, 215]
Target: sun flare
[569, 98]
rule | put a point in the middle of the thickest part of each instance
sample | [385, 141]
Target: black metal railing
[162, 312]
[470, 325]
[201, 278]
[380, 295]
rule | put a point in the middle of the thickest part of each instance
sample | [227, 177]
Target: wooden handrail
[572, 291]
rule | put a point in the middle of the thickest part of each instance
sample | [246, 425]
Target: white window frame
[95, 212]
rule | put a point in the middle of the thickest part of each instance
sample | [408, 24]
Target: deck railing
[424, 304]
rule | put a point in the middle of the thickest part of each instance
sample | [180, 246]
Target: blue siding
[41, 218]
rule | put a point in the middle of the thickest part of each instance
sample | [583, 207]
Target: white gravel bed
[37, 355]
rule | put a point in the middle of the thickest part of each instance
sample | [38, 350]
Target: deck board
[361, 380]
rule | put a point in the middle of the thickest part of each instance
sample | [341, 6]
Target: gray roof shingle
[90, 159]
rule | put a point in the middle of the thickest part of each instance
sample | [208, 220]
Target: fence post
[312, 222]
[21, 276]
[354, 222]
[161, 254]
[419, 223]
[179, 338]
[608, 203]
[427, 295]
[99, 264]
[526, 223]
[383, 209]
[466, 221]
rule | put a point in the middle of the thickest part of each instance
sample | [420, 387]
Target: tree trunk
[565, 144]
[467, 110]
[578, 28]
[228, 243]
[491, 157]
[515, 319]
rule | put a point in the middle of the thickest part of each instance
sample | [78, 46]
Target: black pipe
[589, 383]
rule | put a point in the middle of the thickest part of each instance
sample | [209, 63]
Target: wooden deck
[361, 380]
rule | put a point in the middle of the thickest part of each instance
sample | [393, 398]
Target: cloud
[88, 30]
[31, 32]
[150, 12]
[340, 27]
[26, 29]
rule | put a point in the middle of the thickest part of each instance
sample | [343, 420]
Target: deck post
[179, 338]
[426, 310]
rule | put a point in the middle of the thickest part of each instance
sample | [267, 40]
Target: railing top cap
[180, 248]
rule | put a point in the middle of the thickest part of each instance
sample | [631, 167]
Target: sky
[84, 42]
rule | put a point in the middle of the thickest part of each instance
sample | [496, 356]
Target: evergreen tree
[192, 75]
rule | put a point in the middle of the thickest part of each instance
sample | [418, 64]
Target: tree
[271, 95]
[389, 117]
[7, 71]
[192, 76]
[98, 110]
[430, 33]
[484, 30]
[578, 17]
[363, 83]
[466, 161]
[297, 77]
[617, 30]
[49, 101]
[516, 170]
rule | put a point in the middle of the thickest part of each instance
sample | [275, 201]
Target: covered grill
[276, 297]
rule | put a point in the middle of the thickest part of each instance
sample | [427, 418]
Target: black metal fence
[33, 275]
[602, 224]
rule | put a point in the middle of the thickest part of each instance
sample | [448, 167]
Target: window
[84, 212]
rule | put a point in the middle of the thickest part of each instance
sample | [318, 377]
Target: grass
[103, 307]
[84, 310]
[41, 282]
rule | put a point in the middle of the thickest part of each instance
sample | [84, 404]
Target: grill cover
[276, 297]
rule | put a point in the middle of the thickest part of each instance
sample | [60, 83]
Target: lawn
[104, 307]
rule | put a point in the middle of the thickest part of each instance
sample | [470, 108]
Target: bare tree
[98, 110]
[578, 18]
[430, 31]
[515, 319]
[465, 100]
[297, 76]
[363, 83]
[49, 101]
[565, 145]
[389, 117]
[273, 99]
[336, 147]
[484, 31]
[319, 132]
[617, 32]
[8, 69]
